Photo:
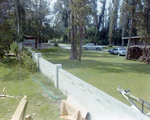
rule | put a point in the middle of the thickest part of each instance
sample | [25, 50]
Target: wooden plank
[7, 96]
[18, 115]
[76, 104]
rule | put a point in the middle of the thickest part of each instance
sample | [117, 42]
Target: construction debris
[69, 112]
[39, 104]
[28, 117]
[3, 98]
[7, 96]
[3, 90]
[72, 110]
[34, 114]
[18, 115]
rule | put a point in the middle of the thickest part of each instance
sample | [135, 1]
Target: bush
[2, 53]
[26, 61]
[30, 65]
[110, 45]
[24, 58]
[14, 48]
[55, 43]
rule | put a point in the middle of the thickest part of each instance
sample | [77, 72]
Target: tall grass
[10, 79]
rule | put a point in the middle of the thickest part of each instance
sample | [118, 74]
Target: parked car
[91, 46]
[118, 51]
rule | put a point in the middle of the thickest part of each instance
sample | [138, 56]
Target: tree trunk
[68, 25]
[73, 54]
[80, 43]
[17, 17]
[36, 39]
[123, 29]
[40, 26]
[131, 29]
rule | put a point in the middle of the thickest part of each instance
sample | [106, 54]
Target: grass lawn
[106, 72]
[9, 79]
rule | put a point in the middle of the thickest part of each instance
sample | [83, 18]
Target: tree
[80, 11]
[113, 20]
[95, 19]
[131, 6]
[73, 54]
[102, 15]
[143, 21]
[6, 38]
[61, 9]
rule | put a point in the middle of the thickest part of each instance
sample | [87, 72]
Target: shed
[28, 40]
[135, 40]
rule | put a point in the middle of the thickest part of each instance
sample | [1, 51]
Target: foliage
[80, 12]
[110, 45]
[25, 58]
[47, 32]
[6, 37]
[143, 21]
[14, 48]
[113, 20]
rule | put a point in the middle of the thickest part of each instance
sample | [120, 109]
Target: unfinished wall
[99, 104]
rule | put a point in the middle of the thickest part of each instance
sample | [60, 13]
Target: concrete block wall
[99, 104]
[50, 70]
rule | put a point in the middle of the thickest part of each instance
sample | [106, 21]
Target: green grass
[48, 110]
[106, 72]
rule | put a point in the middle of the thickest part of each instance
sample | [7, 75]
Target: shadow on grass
[15, 75]
[104, 67]
[97, 55]
[101, 61]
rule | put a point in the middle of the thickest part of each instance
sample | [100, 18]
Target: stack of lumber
[135, 52]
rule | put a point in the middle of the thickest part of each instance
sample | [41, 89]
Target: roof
[133, 37]
[29, 37]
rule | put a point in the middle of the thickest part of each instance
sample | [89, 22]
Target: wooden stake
[3, 90]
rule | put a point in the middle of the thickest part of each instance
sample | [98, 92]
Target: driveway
[64, 46]
[67, 47]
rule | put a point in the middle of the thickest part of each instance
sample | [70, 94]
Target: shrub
[14, 48]
[55, 43]
[25, 59]
[110, 45]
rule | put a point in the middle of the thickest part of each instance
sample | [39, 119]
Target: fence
[99, 104]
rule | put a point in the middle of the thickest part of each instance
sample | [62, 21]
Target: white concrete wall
[50, 70]
[99, 104]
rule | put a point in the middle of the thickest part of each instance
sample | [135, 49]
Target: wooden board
[18, 115]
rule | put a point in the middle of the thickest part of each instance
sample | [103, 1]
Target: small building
[28, 40]
[135, 40]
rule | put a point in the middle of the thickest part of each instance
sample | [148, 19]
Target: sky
[98, 4]
[98, 7]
